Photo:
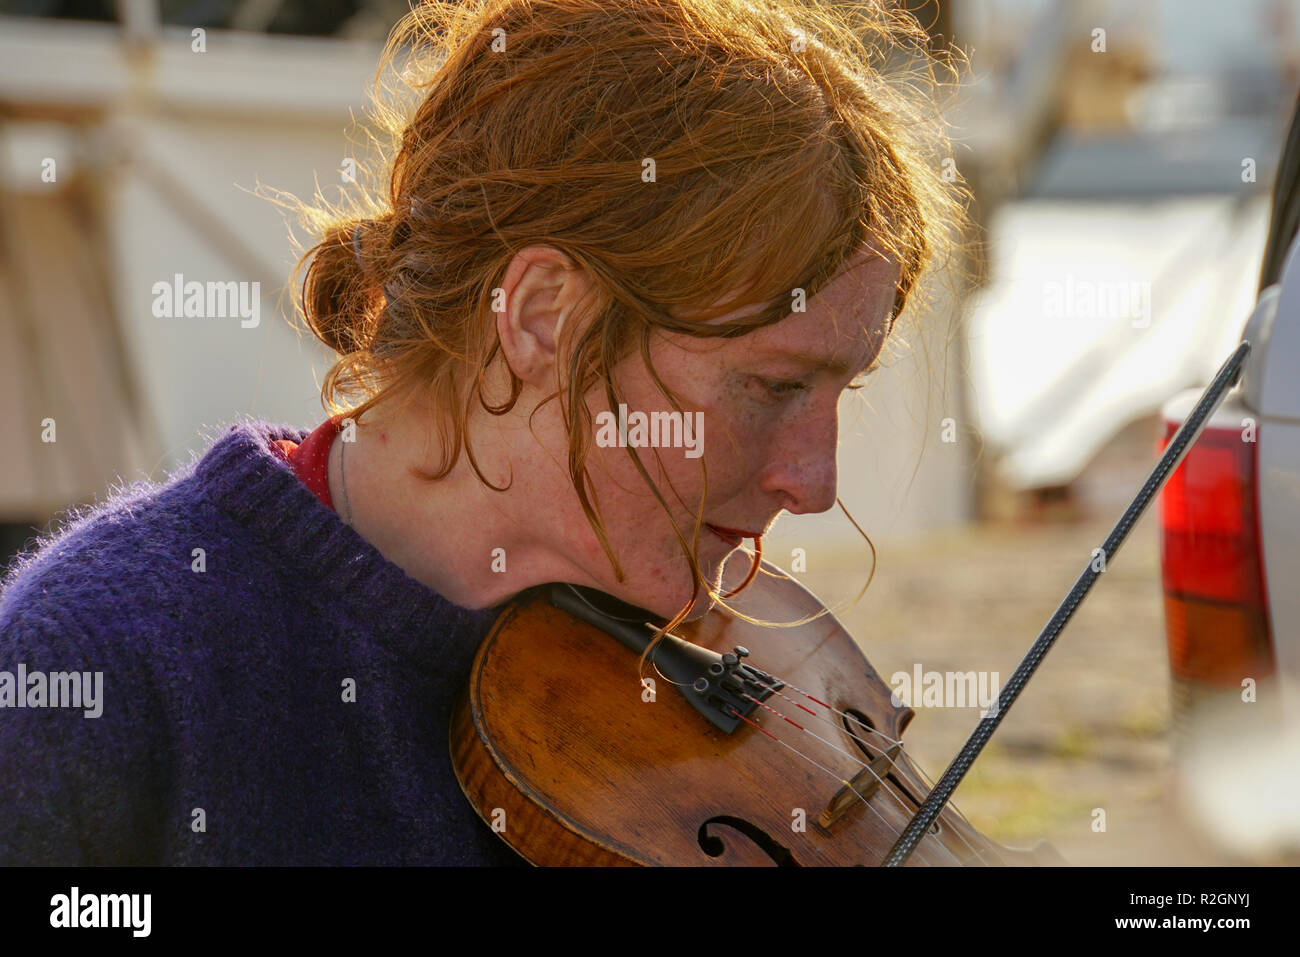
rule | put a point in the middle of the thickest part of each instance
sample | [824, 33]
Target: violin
[745, 745]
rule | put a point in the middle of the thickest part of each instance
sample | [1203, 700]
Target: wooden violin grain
[554, 740]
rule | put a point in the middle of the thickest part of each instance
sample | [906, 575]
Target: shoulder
[113, 566]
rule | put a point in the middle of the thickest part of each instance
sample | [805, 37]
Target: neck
[474, 546]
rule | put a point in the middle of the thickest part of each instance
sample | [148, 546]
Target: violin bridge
[864, 784]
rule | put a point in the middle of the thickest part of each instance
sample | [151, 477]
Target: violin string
[911, 764]
[852, 757]
[928, 782]
[865, 747]
[927, 785]
[856, 758]
[817, 764]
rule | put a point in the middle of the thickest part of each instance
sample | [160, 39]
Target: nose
[801, 470]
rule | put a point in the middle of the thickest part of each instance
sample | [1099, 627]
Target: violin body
[560, 746]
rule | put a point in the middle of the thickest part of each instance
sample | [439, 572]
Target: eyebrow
[821, 363]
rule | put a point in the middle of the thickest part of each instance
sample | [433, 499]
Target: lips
[732, 536]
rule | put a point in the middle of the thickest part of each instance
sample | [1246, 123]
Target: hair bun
[400, 234]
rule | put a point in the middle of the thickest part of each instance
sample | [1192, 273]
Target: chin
[668, 606]
[702, 606]
[665, 603]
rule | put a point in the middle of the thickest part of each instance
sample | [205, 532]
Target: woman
[697, 218]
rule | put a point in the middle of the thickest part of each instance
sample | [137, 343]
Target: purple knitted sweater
[281, 697]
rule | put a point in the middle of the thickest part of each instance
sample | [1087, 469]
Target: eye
[861, 379]
[780, 388]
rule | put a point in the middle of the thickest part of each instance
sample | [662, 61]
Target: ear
[543, 288]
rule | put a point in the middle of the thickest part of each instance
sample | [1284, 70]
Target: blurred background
[1122, 158]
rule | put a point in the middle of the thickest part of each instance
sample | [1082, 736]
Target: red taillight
[1216, 604]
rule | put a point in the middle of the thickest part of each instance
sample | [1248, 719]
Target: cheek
[679, 480]
[739, 433]
[733, 434]
[636, 522]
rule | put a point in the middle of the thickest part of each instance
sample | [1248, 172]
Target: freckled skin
[766, 451]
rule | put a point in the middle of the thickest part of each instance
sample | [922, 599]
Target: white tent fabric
[60, 359]
[1096, 313]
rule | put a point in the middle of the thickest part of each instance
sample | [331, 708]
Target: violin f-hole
[713, 846]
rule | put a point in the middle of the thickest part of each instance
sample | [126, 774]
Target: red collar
[310, 458]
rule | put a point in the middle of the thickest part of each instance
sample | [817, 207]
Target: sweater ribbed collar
[246, 479]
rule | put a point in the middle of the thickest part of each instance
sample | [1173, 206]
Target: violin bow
[1187, 433]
